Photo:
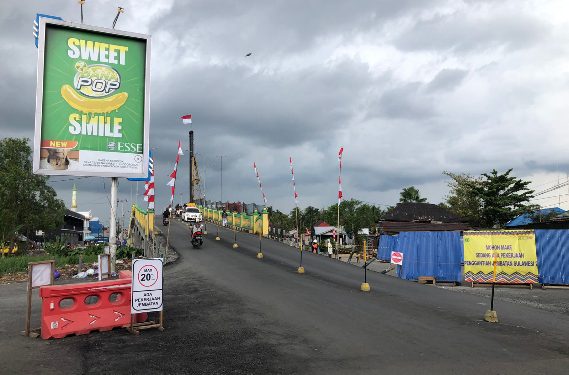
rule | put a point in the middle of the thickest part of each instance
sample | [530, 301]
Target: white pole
[113, 224]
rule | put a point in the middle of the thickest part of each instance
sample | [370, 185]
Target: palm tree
[411, 195]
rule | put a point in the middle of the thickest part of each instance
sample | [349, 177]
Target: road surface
[227, 312]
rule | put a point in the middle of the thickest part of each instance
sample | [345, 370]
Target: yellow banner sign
[506, 257]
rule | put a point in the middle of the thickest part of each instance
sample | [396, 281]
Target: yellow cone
[365, 287]
[259, 255]
[491, 316]
[300, 270]
[235, 246]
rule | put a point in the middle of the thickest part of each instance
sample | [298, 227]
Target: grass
[12, 264]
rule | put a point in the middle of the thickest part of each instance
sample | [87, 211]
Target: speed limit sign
[146, 285]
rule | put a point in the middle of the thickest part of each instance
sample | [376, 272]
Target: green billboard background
[60, 69]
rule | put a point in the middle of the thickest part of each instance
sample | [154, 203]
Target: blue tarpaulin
[436, 254]
[386, 245]
[526, 219]
[552, 257]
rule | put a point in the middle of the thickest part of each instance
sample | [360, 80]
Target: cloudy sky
[408, 88]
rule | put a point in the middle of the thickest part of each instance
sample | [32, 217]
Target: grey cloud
[462, 33]
[447, 79]
[404, 102]
[271, 29]
[282, 101]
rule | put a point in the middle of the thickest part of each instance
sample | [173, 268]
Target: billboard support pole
[113, 224]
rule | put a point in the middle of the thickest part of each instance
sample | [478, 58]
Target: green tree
[354, 216]
[463, 200]
[502, 198]
[27, 202]
[411, 195]
[308, 217]
[280, 220]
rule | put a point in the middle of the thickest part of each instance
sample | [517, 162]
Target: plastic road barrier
[81, 308]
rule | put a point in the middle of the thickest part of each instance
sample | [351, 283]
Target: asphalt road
[229, 313]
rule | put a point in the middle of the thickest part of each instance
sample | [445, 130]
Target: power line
[553, 188]
[549, 197]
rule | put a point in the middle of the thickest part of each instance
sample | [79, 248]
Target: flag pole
[260, 253]
[338, 231]
[191, 156]
[174, 176]
[300, 269]
[340, 195]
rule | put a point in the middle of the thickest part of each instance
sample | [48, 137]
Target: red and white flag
[172, 182]
[186, 119]
[293, 182]
[260, 185]
[340, 194]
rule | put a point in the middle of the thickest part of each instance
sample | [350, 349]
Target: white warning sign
[146, 285]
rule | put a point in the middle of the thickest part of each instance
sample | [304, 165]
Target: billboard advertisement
[509, 256]
[92, 104]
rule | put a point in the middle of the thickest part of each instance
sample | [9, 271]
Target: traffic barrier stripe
[81, 308]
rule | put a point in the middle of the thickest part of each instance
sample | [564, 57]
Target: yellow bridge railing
[255, 223]
[144, 218]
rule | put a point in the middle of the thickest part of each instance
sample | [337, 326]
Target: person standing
[315, 247]
[330, 249]
[224, 217]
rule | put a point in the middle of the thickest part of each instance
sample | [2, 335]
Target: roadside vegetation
[63, 255]
[486, 201]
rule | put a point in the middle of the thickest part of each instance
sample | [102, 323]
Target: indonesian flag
[172, 182]
[259, 180]
[186, 119]
[293, 181]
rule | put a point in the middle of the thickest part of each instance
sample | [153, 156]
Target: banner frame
[39, 99]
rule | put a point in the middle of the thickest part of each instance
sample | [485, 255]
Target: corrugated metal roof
[318, 231]
[401, 226]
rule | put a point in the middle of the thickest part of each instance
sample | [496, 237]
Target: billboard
[92, 103]
[513, 250]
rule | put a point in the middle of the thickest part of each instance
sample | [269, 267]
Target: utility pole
[191, 136]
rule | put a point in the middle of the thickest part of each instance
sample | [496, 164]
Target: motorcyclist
[197, 227]
[315, 247]
[166, 217]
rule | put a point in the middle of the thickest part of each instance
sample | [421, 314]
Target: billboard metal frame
[44, 22]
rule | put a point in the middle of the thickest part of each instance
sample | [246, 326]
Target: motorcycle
[165, 221]
[197, 239]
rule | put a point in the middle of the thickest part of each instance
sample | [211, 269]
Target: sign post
[104, 266]
[39, 274]
[397, 259]
[146, 294]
